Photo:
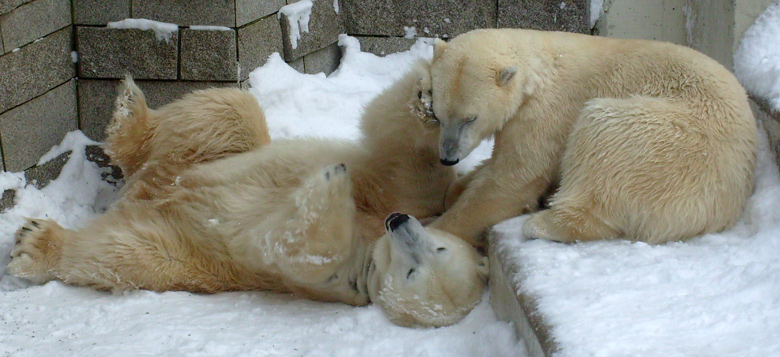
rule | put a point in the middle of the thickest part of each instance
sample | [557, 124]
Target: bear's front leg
[509, 184]
[317, 238]
[37, 250]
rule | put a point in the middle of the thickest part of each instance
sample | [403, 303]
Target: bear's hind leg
[131, 128]
[566, 227]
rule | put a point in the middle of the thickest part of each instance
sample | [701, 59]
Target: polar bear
[212, 205]
[640, 140]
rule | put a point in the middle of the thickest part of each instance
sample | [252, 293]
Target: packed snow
[757, 60]
[163, 30]
[298, 14]
[55, 319]
[210, 28]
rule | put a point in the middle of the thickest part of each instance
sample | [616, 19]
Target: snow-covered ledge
[510, 303]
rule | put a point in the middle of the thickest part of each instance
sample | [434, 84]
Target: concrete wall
[37, 89]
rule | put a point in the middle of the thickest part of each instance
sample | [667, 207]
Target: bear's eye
[419, 95]
[471, 120]
[409, 274]
[440, 249]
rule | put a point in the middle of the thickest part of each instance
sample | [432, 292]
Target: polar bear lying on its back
[647, 140]
[210, 205]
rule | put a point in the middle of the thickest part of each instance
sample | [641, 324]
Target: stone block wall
[61, 62]
[37, 86]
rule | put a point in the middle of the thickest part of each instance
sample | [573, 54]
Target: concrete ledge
[770, 119]
[511, 304]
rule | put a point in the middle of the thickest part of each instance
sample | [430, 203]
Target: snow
[716, 295]
[410, 32]
[55, 319]
[74, 56]
[162, 30]
[757, 60]
[297, 14]
[210, 28]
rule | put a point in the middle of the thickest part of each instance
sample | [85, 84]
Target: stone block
[433, 18]
[7, 6]
[187, 12]
[550, 15]
[31, 129]
[32, 21]
[325, 25]
[325, 60]
[40, 175]
[96, 99]
[100, 12]
[250, 10]
[298, 65]
[208, 55]
[382, 46]
[256, 42]
[7, 200]
[35, 69]
[111, 53]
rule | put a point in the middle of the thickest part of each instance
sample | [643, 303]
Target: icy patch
[298, 19]
[163, 30]
[74, 56]
[210, 28]
[757, 60]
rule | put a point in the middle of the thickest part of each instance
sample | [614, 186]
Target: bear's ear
[505, 75]
[438, 48]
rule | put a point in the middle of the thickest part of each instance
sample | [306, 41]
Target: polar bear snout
[394, 220]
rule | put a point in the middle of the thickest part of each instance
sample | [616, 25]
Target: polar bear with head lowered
[637, 139]
[210, 205]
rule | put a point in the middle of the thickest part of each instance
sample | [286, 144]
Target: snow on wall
[210, 28]
[298, 14]
[163, 30]
[757, 60]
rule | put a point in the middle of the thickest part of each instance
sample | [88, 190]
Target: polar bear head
[425, 277]
[478, 83]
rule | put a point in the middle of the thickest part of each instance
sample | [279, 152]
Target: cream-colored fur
[210, 205]
[648, 140]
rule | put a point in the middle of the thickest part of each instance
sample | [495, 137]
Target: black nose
[394, 220]
[446, 162]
